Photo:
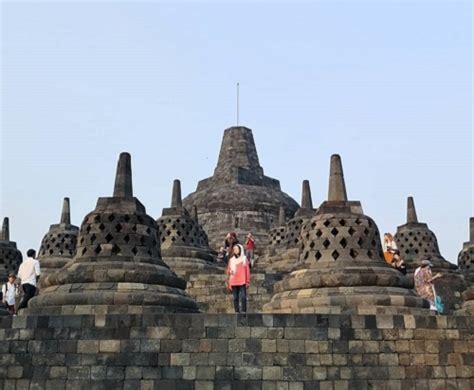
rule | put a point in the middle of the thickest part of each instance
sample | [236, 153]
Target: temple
[58, 246]
[416, 242]
[117, 267]
[341, 269]
[10, 256]
[239, 197]
[466, 266]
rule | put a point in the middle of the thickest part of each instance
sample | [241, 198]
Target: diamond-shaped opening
[417, 251]
[109, 237]
[118, 228]
[334, 232]
[142, 240]
[343, 242]
[168, 232]
[115, 249]
[351, 231]
[97, 249]
[97, 219]
[135, 250]
[93, 238]
[312, 245]
[101, 227]
[358, 221]
[173, 226]
[163, 239]
[82, 240]
[318, 255]
[148, 230]
[335, 255]
[327, 222]
[127, 238]
[127, 218]
[53, 240]
[370, 254]
[84, 251]
[360, 242]
[134, 228]
[353, 253]
[88, 229]
[366, 231]
[173, 239]
[306, 255]
[370, 223]
[342, 222]
[111, 217]
[319, 233]
[140, 219]
[313, 225]
[326, 243]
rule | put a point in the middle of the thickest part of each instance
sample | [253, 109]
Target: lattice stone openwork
[416, 242]
[10, 256]
[329, 238]
[277, 235]
[180, 231]
[59, 244]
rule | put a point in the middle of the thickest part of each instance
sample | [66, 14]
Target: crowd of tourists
[239, 259]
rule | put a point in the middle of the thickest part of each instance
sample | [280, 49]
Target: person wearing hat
[424, 282]
[10, 293]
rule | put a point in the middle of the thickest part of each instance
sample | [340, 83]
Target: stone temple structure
[117, 267]
[466, 266]
[10, 256]
[342, 268]
[282, 253]
[184, 246]
[58, 246]
[415, 241]
[239, 197]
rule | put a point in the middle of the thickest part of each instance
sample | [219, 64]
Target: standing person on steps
[250, 248]
[29, 273]
[239, 278]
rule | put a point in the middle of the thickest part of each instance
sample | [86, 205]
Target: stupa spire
[411, 211]
[471, 229]
[306, 199]
[337, 186]
[123, 179]
[282, 217]
[5, 236]
[176, 199]
[66, 212]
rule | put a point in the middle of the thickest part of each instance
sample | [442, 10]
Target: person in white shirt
[29, 273]
[10, 293]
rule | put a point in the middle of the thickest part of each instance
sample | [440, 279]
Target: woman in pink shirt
[239, 278]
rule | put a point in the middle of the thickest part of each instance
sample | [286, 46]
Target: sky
[387, 85]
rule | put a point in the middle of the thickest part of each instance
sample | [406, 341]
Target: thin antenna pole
[238, 102]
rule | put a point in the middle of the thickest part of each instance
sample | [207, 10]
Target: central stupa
[239, 197]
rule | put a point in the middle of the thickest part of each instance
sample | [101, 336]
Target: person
[29, 273]
[10, 293]
[424, 282]
[229, 242]
[390, 248]
[250, 248]
[239, 278]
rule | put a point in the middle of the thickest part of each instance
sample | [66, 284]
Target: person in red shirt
[250, 248]
[239, 278]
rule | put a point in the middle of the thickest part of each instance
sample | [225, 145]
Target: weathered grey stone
[415, 241]
[58, 246]
[117, 267]
[466, 265]
[342, 269]
[10, 256]
[239, 197]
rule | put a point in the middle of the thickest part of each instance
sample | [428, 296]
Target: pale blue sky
[388, 86]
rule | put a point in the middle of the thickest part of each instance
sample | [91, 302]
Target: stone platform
[255, 351]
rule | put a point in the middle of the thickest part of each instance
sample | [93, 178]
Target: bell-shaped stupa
[10, 256]
[342, 268]
[417, 242]
[239, 197]
[58, 246]
[466, 266]
[117, 267]
[183, 244]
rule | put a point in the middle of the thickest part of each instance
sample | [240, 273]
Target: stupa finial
[66, 212]
[471, 229]
[411, 211]
[306, 199]
[5, 236]
[337, 186]
[176, 199]
[123, 179]
[282, 217]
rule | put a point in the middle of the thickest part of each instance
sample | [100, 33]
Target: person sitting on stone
[250, 248]
[10, 293]
[29, 273]
[424, 279]
[390, 248]
[238, 270]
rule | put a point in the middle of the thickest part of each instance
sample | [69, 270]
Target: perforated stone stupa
[342, 269]
[10, 256]
[58, 246]
[117, 267]
[466, 266]
[184, 245]
[415, 241]
[239, 197]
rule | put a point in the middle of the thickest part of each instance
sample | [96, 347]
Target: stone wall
[203, 351]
